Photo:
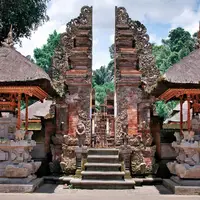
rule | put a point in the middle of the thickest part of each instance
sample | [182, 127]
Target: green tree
[103, 75]
[102, 80]
[101, 91]
[24, 15]
[179, 38]
[44, 55]
[112, 51]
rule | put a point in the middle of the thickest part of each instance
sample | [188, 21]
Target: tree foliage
[44, 55]
[24, 15]
[103, 80]
[178, 45]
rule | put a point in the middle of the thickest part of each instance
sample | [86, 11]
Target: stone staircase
[103, 170]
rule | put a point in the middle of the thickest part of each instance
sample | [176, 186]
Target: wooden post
[19, 112]
[181, 115]
[26, 124]
[188, 120]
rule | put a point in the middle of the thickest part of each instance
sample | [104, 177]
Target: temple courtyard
[54, 192]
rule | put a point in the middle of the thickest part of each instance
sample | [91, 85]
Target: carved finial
[8, 42]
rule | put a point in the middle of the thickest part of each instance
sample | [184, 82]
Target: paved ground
[56, 192]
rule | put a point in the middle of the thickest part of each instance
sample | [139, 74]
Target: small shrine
[20, 81]
[181, 82]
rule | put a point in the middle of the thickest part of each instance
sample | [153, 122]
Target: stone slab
[102, 184]
[185, 182]
[181, 190]
[21, 188]
[17, 180]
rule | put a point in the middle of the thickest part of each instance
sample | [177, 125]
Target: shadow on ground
[47, 188]
[163, 190]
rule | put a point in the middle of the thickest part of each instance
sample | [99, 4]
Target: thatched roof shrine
[15, 69]
[184, 74]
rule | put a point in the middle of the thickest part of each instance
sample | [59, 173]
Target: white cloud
[38, 38]
[112, 38]
[188, 19]
[95, 42]
[154, 39]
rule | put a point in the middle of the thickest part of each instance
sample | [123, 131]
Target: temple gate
[124, 121]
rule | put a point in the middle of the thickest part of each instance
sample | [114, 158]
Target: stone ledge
[17, 180]
[21, 188]
[102, 184]
[181, 190]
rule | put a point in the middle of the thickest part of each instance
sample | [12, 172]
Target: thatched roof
[37, 110]
[184, 74]
[15, 67]
[185, 71]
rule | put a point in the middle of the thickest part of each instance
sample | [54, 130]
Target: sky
[159, 16]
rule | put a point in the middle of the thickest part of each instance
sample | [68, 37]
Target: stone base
[184, 170]
[178, 189]
[17, 180]
[21, 188]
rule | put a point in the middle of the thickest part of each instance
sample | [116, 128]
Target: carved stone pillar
[81, 159]
[125, 156]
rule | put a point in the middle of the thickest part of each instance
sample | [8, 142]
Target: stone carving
[142, 159]
[120, 122]
[68, 160]
[19, 134]
[188, 160]
[3, 155]
[84, 119]
[178, 137]
[29, 135]
[80, 132]
[124, 134]
[21, 170]
[15, 148]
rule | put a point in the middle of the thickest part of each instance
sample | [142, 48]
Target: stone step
[102, 166]
[102, 175]
[103, 151]
[102, 184]
[103, 158]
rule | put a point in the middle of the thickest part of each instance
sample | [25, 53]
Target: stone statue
[80, 132]
[29, 135]
[124, 134]
[178, 137]
[19, 134]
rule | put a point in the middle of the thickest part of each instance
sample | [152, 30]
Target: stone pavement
[56, 192]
